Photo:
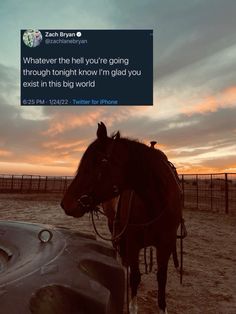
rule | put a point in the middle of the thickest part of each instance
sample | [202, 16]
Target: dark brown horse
[149, 193]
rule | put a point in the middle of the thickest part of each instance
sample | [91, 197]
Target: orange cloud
[61, 123]
[198, 168]
[225, 99]
[75, 145]
[187, 168]
[24, 168]
[5, 153]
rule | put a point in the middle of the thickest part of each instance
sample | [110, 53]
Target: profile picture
[32, 38]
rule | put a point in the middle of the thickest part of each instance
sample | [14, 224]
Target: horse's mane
[141, 155]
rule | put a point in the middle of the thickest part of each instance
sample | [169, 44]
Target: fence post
[54, 183]
[197, 190]
[65, 185]
[183, 196]
[46, 181]
[12, 182]
[21, 183]
[226, 194]
[39, 183]
[211, 186]
[30, 184]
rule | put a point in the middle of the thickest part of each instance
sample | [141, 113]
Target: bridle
[88, 201]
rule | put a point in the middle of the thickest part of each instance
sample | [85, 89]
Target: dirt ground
[209, 283]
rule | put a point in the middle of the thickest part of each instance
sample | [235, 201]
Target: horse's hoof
[133, 306]
[163, 312]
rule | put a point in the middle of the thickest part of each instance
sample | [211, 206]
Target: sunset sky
[194, 114]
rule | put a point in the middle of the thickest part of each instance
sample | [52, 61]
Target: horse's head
[100, 175]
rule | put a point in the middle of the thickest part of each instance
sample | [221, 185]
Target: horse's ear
[117, 136]
[101, 131]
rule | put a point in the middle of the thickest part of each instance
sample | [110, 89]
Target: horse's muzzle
[74, 211]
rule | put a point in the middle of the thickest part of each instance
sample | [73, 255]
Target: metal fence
[215, 192]
[33, 184]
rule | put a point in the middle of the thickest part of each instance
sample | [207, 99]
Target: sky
[193, 118]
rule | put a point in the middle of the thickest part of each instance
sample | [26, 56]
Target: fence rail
[33, 184]
[215, 192]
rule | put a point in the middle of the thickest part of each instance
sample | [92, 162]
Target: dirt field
[209, 284]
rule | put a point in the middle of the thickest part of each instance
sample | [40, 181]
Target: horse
[149, 193]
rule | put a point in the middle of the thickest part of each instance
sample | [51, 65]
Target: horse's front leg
[135, 278]
[162, 261]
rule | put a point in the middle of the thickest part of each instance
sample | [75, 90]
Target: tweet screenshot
[86, 67]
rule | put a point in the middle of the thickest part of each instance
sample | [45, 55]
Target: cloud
[71, 121]
[5, 153]
[227, 98]
[213, 128]
[195, 93]
[220, 162]
[185, 32]
[59, 140]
